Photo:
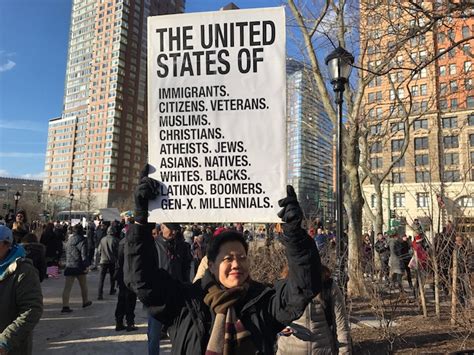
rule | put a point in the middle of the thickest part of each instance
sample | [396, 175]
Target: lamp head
[339, 62]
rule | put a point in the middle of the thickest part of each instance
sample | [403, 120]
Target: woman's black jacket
[264, 312]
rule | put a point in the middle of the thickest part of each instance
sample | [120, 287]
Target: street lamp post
[17, 197]
[339, 63]
[71, 198]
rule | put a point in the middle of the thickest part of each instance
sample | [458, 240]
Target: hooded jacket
[108, 248]
[21, 303]
[264, 311]
[76, 255]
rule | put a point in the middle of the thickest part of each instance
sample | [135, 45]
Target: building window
[442, 70]
[422, 199]
[472, 157]
[465, 32]
[451, 158]
[468, 84]
[376, 129]
[422, 176]
[376, 147]
[398, 199]
[450, 122]
[376, 163]
[452, 69]
[451, 176]
[470, 119]
[400, 163]
[398, 177]
[420, 124]
[453, 86]
[467, 66]
[451, 141]
[423, 89]
[397, 145]
[420, 143]
[395, 127]
[470, 101]
[454, 103]
[471, 140]
[373, 198]
[421, 159]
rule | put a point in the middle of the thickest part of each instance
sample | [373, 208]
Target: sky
[33, 51]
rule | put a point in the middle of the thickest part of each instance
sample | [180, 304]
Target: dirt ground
[412, 333]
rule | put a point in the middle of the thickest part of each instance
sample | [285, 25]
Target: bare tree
[319, 25]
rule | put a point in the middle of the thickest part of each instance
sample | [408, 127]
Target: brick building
[99, 143]
[419, 112]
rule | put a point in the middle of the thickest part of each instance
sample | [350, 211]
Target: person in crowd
[394, 262]
[100, 232]
[76, 267]
[420, 252]
[127, 220]
[406, 254]
[198, 253]
[36, 252]
[381, 247]
[321, 240]
[21, 300]
[188, 235]
[10, 218]
[54, 244]
[196, 314]
[127, 299]
[174, 256]
[368, 255]
[324, 326]
[108, 253]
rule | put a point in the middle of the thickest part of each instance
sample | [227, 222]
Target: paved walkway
[86, 331]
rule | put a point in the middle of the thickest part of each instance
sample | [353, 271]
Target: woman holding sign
[225, 312]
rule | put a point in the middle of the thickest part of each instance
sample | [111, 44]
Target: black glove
[147, 189]
[291, 213]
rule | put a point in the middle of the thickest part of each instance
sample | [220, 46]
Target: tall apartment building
[426, 98]
[98, 145]
[309, 143]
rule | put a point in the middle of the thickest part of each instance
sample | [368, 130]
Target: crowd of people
[194, 280]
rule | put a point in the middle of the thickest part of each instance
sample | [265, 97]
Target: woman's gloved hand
[291, 213]
[147, 189]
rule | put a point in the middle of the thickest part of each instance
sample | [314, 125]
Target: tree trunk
[354, 203]
[455, 288]
[436, 284]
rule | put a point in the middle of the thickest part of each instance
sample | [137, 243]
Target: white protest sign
[216, 115]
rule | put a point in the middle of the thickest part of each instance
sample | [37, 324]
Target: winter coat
[91, 236]
[21, 306]
[53, 243]
[36, 252]
[421, 255]
[395, 251]
[264, 311]
[174, 256]
[405, 251]
[108, 249]
[100, 232]
[381, 247]
[314, 331]
[76, 255]
[118, 274]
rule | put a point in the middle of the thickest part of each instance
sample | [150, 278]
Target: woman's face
[231, 266]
